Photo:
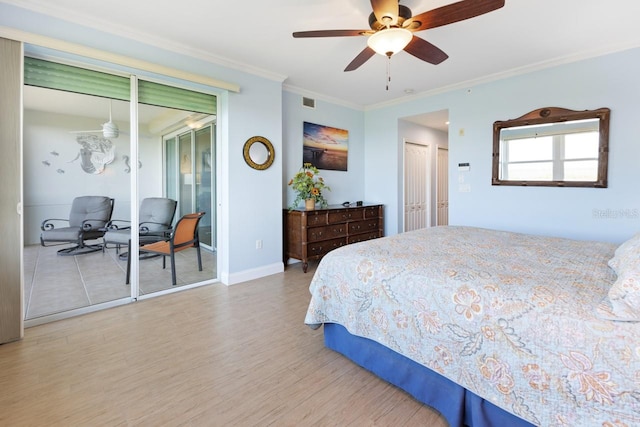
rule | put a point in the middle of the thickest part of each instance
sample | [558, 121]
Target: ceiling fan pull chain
[388, 71]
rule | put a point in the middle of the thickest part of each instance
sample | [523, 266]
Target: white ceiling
[255, 35]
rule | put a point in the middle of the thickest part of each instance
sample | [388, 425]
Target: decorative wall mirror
[552, 147]
[258, 152]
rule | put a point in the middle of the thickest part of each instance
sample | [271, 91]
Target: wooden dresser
[311, 234]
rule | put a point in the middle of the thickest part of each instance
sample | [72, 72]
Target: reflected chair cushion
[156, 215]
[87, 219]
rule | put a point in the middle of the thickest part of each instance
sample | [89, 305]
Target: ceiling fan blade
[360, 59]
[109, 129]
[426, 51]
[385, 8]
[451, 13]
[330, 33]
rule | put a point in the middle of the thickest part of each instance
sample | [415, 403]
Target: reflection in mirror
[258, 152]
[552, 147]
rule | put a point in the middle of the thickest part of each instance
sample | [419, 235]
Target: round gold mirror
[258, 152]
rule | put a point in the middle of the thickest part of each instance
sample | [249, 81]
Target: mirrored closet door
[75, 144]
[99, 165]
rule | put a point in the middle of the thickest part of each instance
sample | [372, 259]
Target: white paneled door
[416, 186]
[442, 188]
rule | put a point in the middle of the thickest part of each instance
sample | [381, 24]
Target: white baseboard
[251, 274]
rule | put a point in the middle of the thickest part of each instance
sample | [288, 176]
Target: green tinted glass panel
[174, 97]
[51, 75]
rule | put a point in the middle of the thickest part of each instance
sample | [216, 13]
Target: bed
[491, 328]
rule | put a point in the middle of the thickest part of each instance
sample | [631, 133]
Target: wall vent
[308, 102]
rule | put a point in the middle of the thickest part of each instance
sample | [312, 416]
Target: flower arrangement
[308, 184]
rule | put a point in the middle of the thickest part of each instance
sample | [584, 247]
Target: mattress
[509, 317]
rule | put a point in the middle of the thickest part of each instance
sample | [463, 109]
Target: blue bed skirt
[459, 406]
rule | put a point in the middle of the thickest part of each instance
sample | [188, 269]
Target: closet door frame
[11, 221]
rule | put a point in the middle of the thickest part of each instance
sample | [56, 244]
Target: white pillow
[623, 300]
[627, 255]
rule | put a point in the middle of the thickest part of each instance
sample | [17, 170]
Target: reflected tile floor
[55, 283]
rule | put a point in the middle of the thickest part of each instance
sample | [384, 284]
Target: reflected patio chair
[156, 215]
[183, 236]
[87, 219]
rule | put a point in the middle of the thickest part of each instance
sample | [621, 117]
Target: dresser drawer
[362, 237]
[311, 234]
[345, 215]
[316, 218]
[321, 248]
[366, 226]
[327, 232]
[372, 212]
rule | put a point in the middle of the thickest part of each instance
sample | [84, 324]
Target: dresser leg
[305, 265]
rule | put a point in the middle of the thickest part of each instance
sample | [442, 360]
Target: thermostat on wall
[464, 167]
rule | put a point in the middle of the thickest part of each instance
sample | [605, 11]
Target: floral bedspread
[511, 317]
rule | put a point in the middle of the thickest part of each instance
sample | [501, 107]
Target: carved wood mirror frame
[265, 161]
[551, 115]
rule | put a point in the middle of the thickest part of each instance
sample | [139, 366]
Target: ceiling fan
[392, 27]
[109, 129]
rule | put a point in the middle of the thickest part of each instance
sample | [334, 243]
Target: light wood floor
[210, 356]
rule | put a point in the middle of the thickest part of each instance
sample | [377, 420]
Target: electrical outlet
[258, 244]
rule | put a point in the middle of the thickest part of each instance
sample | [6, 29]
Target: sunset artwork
[325, 147]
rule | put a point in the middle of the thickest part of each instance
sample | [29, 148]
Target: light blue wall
[611, 214]
[345, 186]
[255, 196]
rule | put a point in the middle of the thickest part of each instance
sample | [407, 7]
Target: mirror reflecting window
[552, 147]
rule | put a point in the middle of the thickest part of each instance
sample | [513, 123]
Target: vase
[309, 204]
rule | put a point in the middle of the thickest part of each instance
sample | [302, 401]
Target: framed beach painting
[325, 147]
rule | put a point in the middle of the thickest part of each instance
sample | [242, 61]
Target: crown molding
[321, 97]
[542, 65]
[48, 42]
[47, 8]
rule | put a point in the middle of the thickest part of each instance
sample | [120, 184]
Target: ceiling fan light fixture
[389, 41]
[110, 130]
